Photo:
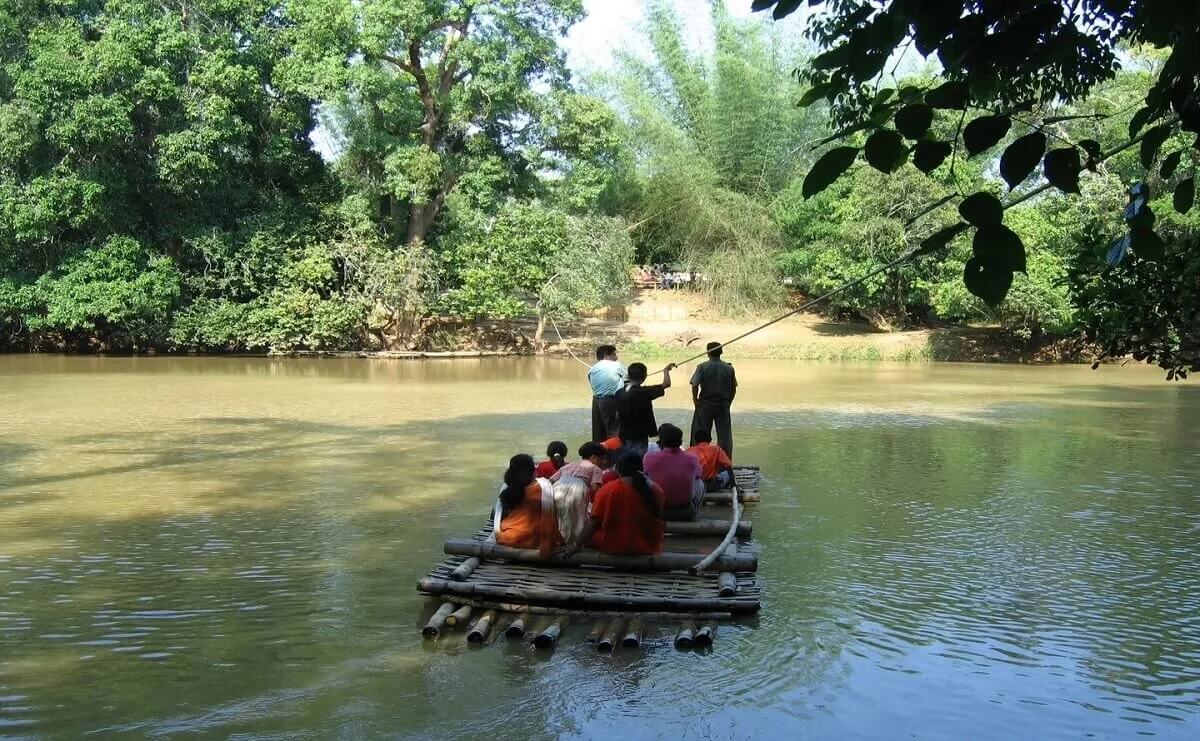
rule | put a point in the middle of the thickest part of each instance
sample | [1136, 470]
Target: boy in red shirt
[715, 467]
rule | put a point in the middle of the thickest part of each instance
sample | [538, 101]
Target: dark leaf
[927, 155]
[1150, 144]
[885, 150]
[1061, 168]
[991, 284]
[1021, 157]
[983, 133]
[913, 120]
[940, 239]
[815, 93]
[1140, 119]
[786, 7]
[948, 95]
[1145, 243]
[1092, 147]
[761, 4]
[827, 169]
[1185, 195]
[981, 209]
[838, 56]
[996, 246]
[883, 96]
[1118, 249]
[1169, 163]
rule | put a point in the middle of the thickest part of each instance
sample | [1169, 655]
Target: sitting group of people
[613, 498]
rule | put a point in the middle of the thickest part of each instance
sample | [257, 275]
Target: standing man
[606, 378]
[713, 387]
[635, 407]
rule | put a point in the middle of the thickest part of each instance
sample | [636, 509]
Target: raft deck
[475, 586]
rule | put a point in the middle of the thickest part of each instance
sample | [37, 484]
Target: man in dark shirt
[635, 407]
[713, 387]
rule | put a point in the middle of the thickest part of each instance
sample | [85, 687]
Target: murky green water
[213, 547]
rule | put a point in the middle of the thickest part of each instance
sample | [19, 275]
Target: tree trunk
[537, 335]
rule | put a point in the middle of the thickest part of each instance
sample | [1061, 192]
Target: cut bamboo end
[483, 626]
[608, 639]
[727, 585]
[464, 569]
[516, 629]
[633, 635]
[706, 635]
[597, 629]
[434, 627]
[459, 616]
[548, 637]
[685, 637]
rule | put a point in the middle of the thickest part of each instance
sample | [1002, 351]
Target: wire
[565, 344]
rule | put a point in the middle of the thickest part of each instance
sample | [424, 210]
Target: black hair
[702, 436]
[631, 465]
[637, 371]
[518, 476]
[557, 452]
[589, 449]
[670, 436]
[714, 349]
[603, 351]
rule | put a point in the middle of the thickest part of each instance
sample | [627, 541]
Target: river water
[203, 547]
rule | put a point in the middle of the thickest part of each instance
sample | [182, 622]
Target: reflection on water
[229, 546]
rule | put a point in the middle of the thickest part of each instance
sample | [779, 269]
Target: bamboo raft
[707, 573]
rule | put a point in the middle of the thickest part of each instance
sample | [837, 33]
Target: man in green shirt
[714, 385]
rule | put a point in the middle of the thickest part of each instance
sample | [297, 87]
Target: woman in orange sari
[525, 510]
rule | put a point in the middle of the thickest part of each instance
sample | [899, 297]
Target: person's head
[669, 436]
[637, 372]
[557, 452]
[594, 452]
[714, 350]
[518, 476]
[702, 436]
[606, 352]
[630, 466]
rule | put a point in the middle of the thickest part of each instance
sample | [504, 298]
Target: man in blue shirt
[606, 378]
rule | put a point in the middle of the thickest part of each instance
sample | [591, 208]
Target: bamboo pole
[724, 497]
[461, 615]
[479, 631]
[548, 637]
[706, 635]
[727, 585]
[434, 626]
[464, 569]
[528, 611]
[516, 629]
[659, 562]
[683, 639]
[593, 600]
[608, 639]
[701, 528]
[633, 634]
[725, 550]
[597, 628]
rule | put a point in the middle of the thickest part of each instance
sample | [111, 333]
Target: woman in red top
[526, 508]
[556, 458]
[626, 513]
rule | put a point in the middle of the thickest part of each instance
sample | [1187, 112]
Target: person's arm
[666, 384]
[732, 391]
[696, 386]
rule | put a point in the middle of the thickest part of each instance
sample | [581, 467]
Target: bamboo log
[548, 637]
[725, 550]
[633, 634]
[608, 639]
[725, 497]
[592, 600]
[597, 628]
[659, 562]
[706, 635]
[461, 615]
[727, 585]
[464, 569]
[537, 610]
[700, 528]
[434, 626]
[479, 631]
[516, 629]
[683, 639]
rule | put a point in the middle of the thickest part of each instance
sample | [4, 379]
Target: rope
[564, 343]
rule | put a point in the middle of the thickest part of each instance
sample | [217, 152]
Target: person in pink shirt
[592, 459]
[677, 472]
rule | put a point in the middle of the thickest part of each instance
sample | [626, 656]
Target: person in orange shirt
[715, 467]
[626, 513]
[612, 443]
[525, 509]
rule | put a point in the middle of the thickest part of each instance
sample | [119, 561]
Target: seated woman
[626, 514]
[590, 468]
[524, 515]
[556, 458]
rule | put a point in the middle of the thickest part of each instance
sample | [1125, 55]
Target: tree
[1071, 50]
